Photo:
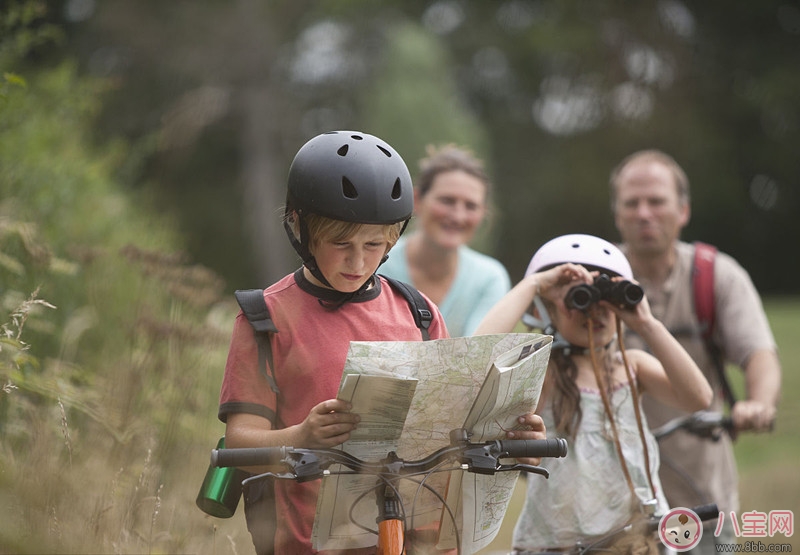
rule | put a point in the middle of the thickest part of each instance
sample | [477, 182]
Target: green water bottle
[222, 487]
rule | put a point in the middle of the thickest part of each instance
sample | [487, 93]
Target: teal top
[480, 282]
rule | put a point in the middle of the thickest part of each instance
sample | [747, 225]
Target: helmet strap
[301, 246]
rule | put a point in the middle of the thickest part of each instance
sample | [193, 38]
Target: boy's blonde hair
[321, 229]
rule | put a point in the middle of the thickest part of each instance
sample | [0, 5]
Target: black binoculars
[620, 293]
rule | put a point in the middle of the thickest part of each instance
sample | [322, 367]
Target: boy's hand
[327, 425]
[533, 429]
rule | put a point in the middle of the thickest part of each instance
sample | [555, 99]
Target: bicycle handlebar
[250, 456]
[703, 423]
[309, 464]
[707, 512]
[533, 448]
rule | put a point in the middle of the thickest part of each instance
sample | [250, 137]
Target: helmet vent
[348, 189]
[343, 150]
[576, 245]
[397, 190]
[607, 251]
[386, 152]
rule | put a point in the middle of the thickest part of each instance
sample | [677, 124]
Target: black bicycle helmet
[348, 176]
[352, 177]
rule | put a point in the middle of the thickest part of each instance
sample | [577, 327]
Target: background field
[768, 463]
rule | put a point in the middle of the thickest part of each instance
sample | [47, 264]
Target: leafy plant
[108, 406]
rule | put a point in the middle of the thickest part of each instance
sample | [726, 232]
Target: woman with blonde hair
[450, 204]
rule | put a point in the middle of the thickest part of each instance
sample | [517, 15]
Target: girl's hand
[553, 280]
[327, 425]
[635, 317]
[533, 429]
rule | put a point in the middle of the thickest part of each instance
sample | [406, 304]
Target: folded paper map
[410, 395]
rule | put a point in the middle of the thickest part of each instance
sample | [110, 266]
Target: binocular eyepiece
[620, 293]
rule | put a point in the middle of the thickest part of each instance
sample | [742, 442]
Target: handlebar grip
[535, 448]
[707, 512]
[249, 456]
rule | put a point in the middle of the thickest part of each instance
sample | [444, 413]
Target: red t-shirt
[309, 353]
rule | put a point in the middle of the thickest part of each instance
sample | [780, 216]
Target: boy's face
[348, 263]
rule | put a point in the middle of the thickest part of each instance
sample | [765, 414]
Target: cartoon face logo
[680, 529]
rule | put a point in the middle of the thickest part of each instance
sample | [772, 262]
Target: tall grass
[108, 401]
[112, 462]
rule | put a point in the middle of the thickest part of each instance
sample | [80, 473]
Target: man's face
[648, 212]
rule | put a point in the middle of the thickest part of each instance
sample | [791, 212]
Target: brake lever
[278, 475]
[529, 468]
[303, 466]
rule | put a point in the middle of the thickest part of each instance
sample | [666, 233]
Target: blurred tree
[415, 67]
[201, 86]
[220, 96]
[569, 88]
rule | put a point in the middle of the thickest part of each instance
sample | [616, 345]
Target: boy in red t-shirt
[349, 198]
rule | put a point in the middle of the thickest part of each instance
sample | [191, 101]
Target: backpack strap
[255, 309]
[703, 287]
[417, 303]
[704, 307]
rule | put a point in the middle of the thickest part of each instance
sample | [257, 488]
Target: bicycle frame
[311, 464]
[605, 543]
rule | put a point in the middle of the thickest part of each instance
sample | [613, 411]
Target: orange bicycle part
[390, 537]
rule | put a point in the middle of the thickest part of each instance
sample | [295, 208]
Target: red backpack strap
[704, 304]
[703, 286]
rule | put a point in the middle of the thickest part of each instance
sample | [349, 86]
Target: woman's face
[453, 208]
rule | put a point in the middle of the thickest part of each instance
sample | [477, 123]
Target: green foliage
[108, 402]
[14, 355]
[414, 66]
[23, 30]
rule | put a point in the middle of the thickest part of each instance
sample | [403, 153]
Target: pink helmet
[590, 251]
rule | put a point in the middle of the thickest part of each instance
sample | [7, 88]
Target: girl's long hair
[566, 397]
